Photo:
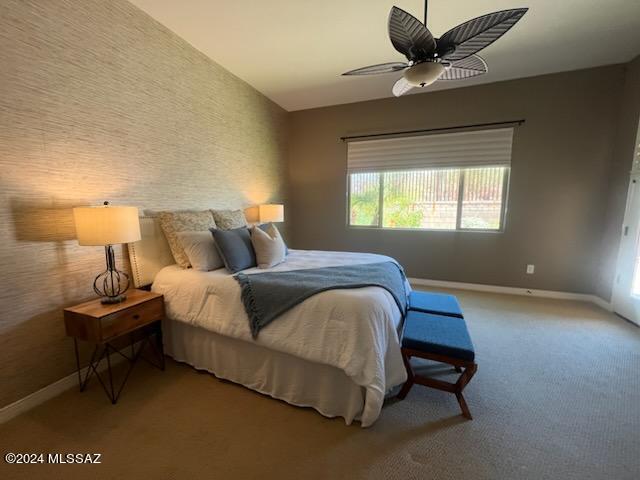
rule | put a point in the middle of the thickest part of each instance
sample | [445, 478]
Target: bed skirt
[296, 381]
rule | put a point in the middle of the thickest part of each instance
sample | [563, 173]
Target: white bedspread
[354, 330]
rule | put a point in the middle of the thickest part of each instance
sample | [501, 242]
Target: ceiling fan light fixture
[423, 74]
[453, 56]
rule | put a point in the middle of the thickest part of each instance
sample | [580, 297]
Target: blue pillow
[265, 226]
[235, 248]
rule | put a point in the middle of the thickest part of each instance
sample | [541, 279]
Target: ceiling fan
[450, 57]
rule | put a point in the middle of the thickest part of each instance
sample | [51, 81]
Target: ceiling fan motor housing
[423, 74]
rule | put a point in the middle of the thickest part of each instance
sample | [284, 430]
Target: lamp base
[117, 299]
[111, 284]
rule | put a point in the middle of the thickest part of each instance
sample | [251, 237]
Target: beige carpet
[556, 396]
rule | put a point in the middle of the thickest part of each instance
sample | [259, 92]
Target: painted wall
[622, 161]
[100, 102]
[559, 180]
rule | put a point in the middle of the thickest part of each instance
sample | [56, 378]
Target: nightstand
[138, 317]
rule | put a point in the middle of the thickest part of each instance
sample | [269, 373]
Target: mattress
[354, 331]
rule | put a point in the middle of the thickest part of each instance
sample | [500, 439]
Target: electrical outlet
[531, 269]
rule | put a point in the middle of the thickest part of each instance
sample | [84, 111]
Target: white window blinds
[478, 148]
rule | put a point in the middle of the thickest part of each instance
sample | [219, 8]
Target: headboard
[149, 254]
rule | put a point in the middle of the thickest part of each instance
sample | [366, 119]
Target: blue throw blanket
[267, 295]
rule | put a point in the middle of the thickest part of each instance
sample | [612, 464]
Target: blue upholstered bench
[438, 303]
[442, 339]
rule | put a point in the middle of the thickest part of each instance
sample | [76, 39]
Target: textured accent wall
[562, 159]
[98, 101]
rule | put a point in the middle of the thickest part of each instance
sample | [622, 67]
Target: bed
[337, 352]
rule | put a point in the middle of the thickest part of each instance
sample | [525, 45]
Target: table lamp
[106, 226]
[271, 212]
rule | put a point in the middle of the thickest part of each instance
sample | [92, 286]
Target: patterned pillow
[229, 219]
[174, 222]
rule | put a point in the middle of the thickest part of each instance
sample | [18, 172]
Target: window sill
[430, 230]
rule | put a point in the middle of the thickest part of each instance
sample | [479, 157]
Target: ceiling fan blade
[471, 66]
[476, 34]
[380, 68]
[401, 87]
[409, 36]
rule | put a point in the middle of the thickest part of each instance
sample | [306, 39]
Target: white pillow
[200, 248]
[269, 246]
[184, 221]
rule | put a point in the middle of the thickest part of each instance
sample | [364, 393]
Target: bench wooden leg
[410, 377]
[463, 406]
[462, 382]
[466, 376]
[467, 370]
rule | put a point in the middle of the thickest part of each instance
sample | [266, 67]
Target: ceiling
[294, 51]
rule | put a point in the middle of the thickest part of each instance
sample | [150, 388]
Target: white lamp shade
[272, 212]
[106, 225]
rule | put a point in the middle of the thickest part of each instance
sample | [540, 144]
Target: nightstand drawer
[131, 318]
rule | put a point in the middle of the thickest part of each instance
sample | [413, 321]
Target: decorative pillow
[229, 219]
[265, 228]
[200, 248]
[235, 248]
[268, 245]
[150, 212]
[174, 222]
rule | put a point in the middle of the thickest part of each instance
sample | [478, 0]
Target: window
[449, 181]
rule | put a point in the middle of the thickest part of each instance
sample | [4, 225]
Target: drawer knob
[136, 316]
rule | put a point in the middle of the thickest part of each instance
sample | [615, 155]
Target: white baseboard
[52, 390]
[36, 398]
[582, 297]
